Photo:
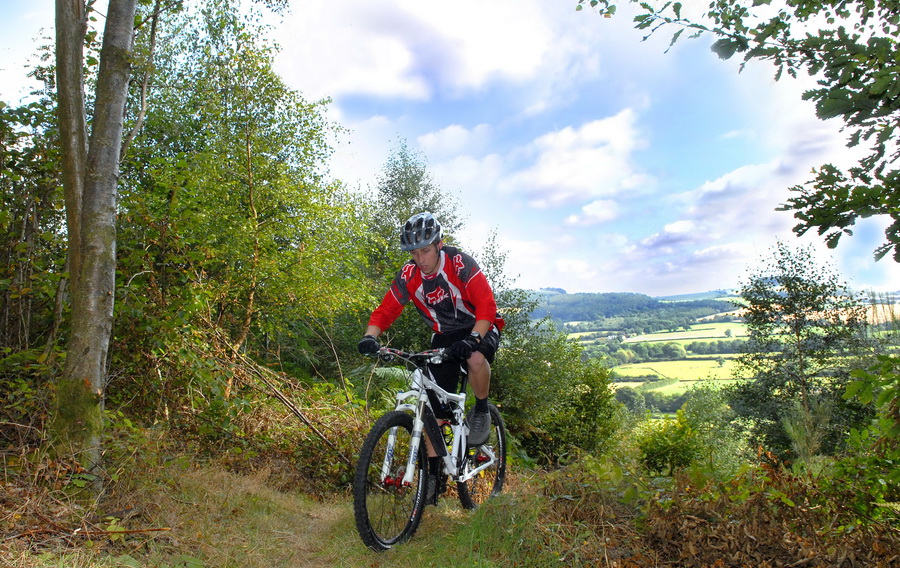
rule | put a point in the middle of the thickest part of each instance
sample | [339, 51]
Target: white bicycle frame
[420, 383]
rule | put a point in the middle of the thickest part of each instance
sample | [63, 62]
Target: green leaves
[879, 385]
[805, 331]
[726, 48]
[603, 7]
[668, 445]
[837, 104]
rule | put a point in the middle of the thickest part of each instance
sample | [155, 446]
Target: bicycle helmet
[421, 230]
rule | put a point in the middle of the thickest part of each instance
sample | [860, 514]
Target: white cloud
[405, 48]
[594, 213]
[680, 227]
[547, 186]
[578, 163]
[528, 261]
[539, 119]
[473, 177]
[456, 139]
[360, 153]
[667, 241]
[728, 252]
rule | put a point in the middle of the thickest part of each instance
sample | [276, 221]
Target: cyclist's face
[426, 258]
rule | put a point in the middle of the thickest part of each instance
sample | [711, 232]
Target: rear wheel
[387, 511]
[488, 482]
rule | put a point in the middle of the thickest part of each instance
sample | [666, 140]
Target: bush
[632, 399]
[724, 448]
[552, 399]
[806, 333]
[584, 415]
[668, 445]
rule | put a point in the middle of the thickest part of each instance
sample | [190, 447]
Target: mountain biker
[455, 299]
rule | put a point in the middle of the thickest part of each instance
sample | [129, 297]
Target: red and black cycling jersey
[450, 300]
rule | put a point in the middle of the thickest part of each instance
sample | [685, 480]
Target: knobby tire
[387, 513]
[489, 482]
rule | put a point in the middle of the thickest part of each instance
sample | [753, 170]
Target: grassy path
[241, 522]
[206, 517]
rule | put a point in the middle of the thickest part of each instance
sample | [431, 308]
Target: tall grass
[195, 515]
[595, 511]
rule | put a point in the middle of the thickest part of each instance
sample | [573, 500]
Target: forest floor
[186, 513]
[193, 516]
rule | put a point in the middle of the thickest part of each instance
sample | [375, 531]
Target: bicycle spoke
[489, 481]
[386, 509]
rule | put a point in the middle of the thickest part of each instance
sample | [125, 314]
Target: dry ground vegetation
[181, 505]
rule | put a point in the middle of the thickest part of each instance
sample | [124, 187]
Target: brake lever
[385, 355]
[439, 356]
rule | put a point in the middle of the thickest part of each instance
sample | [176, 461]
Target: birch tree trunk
[71, 27]
[92, 224]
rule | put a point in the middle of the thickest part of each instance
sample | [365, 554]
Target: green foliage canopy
[806, 330]
[230, 234]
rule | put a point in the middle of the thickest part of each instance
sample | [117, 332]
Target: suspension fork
[389, 454]
[415, 441]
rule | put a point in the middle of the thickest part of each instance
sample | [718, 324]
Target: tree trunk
[249, 308]
[78, 419]
[71, 27]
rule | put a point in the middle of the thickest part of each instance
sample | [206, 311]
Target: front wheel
[488, 482]
[388, 511]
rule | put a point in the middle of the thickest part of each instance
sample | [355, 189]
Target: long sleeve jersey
[450, 300]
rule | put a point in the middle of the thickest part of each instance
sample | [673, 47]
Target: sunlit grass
[697, 332]
[680, 387]
[681, 370]
[218, 519]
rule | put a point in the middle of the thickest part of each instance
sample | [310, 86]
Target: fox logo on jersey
[458, 263]
[407, 272]
[437, 296]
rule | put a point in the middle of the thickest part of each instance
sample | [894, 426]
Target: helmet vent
[421, 230]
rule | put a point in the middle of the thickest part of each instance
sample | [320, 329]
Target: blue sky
[604, 163]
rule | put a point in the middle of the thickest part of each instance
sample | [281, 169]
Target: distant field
[679, 376]
[674, 388]
[580, 334]
[698, 332]
[682, 370]
[684, 386]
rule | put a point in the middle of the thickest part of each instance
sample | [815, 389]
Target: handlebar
[388, 354]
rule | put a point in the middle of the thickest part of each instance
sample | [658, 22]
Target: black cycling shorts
[447, 373]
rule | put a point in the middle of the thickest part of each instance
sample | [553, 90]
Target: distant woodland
[628, 313]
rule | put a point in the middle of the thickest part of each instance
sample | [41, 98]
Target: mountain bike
[389, 486]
